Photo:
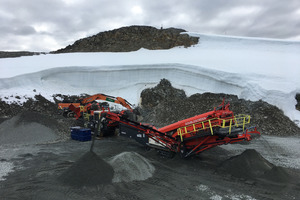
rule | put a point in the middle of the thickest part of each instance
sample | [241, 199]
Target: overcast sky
[46, 25]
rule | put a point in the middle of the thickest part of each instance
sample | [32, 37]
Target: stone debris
[89, 170]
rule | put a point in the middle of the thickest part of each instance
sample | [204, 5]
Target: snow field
[250, 68]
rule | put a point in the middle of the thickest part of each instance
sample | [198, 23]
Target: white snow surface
[252, 69]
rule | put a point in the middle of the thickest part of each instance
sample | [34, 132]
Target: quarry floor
[36, 168]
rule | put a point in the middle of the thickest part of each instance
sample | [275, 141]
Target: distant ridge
[132, 38]
[14, 54]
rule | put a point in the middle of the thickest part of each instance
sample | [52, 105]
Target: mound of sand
[89, 170]
[248, 165]
[131, 166]
[24, 130]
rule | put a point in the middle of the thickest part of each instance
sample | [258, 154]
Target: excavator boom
[75, 109]
[104, 97]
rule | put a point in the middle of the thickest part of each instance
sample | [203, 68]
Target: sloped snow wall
[129, 81]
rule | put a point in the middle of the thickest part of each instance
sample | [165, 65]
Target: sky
[48, 25]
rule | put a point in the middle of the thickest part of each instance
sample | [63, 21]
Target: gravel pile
[251, 165]
[5, 168]
[278, 174]
[89, 170]
[131, 166]
[22, 130]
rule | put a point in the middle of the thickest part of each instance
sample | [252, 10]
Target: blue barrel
[81, 134]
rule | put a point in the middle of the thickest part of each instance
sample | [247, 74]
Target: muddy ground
[38, 160]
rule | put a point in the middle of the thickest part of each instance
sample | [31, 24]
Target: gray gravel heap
[250, 165]
[89, 170]
[20, 130]
[131, 166]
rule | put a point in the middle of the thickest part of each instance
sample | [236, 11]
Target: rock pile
[132, 38]
[28, 128]
[131, 166]
[89, 170]
[278, 175]
[38, 103]
[250, 165]
[38, 110]
[298, 101]
[163, 105]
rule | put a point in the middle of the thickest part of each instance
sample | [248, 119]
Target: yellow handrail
[238, 120]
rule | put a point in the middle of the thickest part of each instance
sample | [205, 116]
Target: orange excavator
[89, 105]
[104, 97]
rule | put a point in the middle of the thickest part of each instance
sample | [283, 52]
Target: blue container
[81, 134]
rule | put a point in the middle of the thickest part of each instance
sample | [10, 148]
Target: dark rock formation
[132, 38]
[151, 97]
[13, 54]
[298, 101]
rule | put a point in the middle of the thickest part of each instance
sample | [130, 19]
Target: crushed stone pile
[164, 104]
[28, 128]
[247, 165]
[89, 170]
[278, 175]
[131, 166]
[5, 168]
[33, 116]
[252, 166]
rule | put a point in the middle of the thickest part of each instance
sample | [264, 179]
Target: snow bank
[250, 68]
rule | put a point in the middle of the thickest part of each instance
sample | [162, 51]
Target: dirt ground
[38, 170]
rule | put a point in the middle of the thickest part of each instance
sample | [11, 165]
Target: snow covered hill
[253, 69]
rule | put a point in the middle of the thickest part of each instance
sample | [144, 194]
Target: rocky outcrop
[298, 101]
[163, 105]
[13, 54]
[151, 97]
[132, 38]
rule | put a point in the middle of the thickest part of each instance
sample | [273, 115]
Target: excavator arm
[104, 97]
[86, 103]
